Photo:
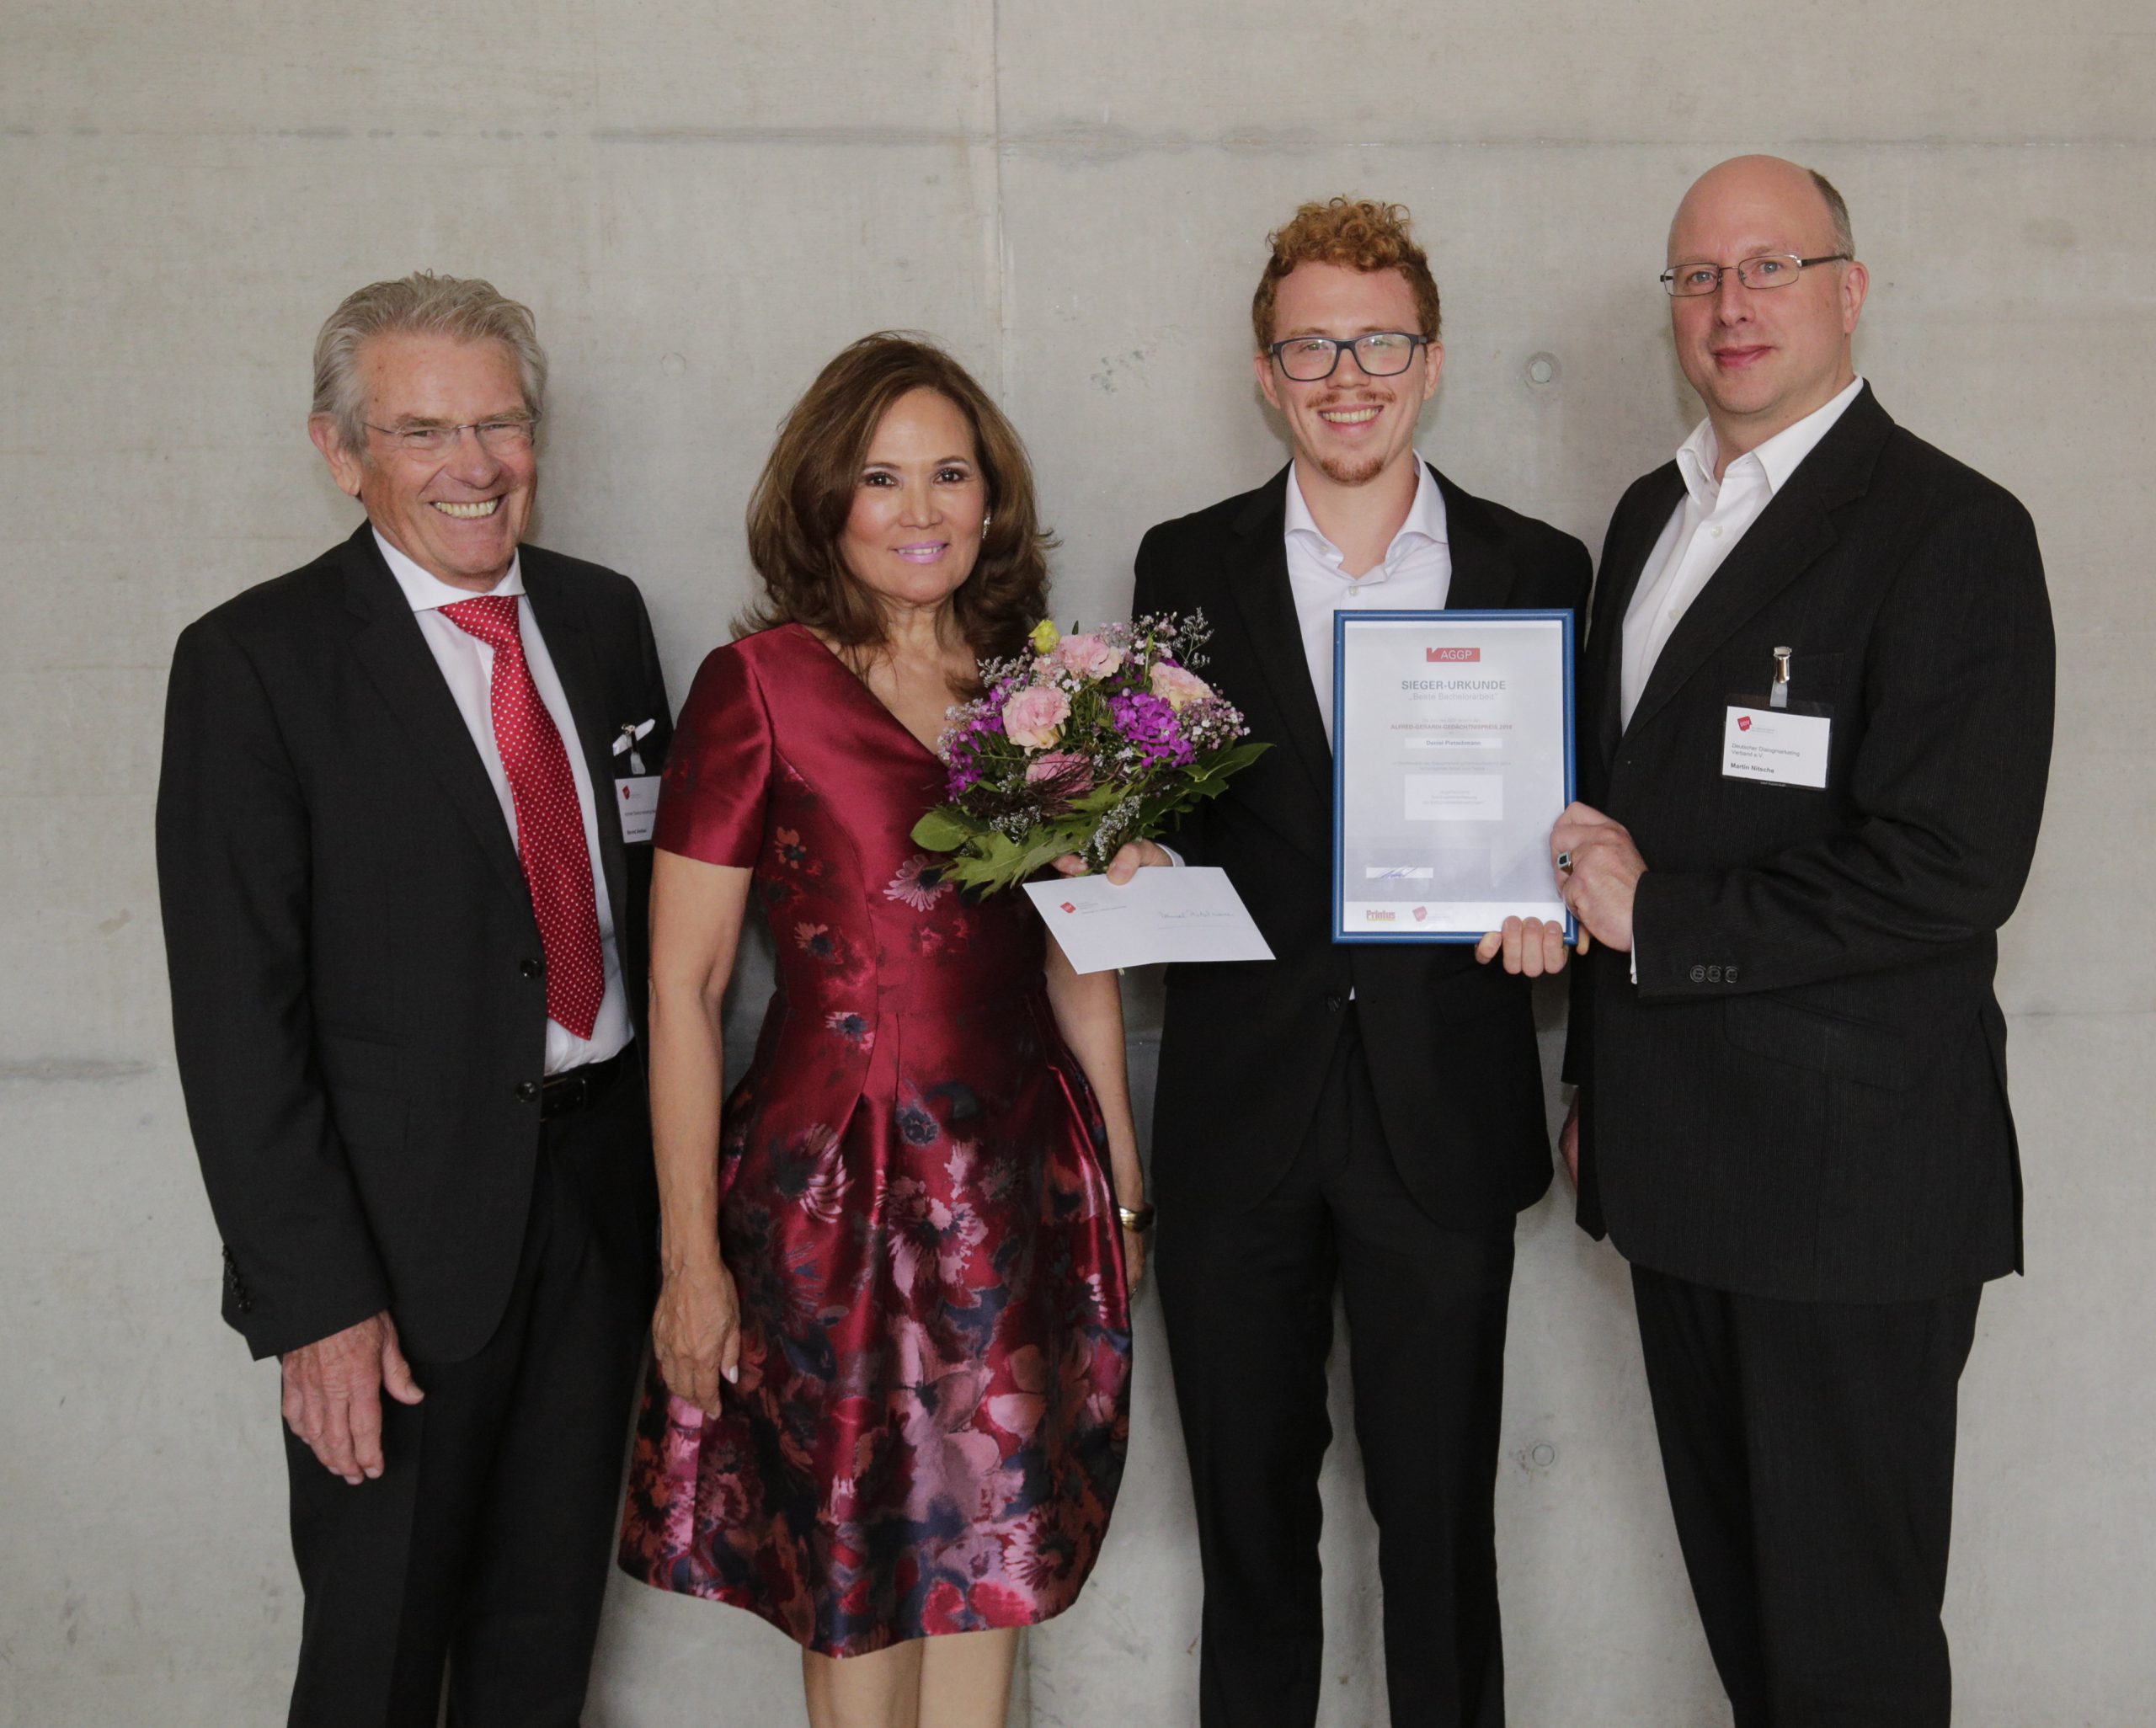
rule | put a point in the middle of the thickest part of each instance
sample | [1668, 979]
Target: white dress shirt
[1414, 576]
[1705, 529]
[1702, 532]
[467, 666]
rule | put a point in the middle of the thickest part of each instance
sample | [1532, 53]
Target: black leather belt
[566, 1093]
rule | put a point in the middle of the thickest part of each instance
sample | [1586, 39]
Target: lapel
[1788, 537]
[396, 657]
[1481, 575]
[1624, 559]
[568, 643]
[1257, 580]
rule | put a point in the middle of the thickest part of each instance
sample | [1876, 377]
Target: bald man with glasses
[1815, 729]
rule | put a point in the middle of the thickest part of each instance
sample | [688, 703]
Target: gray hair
[1837, 212]
[424, 304]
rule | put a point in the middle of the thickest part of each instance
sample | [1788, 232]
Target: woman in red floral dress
[889, 1397]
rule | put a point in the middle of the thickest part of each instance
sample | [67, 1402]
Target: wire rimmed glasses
[1770, 269]
[509, 434]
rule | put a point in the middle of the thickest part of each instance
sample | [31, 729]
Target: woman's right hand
[695, 1332]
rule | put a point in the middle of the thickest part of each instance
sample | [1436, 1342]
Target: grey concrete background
[702, 202]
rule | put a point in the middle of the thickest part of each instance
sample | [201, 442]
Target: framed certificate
[1451, 759]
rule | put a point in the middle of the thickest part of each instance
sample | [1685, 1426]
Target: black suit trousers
[483, 1546]
[1248, 1297]
[1809, 1449]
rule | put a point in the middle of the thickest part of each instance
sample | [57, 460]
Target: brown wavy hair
[797, 513]
[1352, 231]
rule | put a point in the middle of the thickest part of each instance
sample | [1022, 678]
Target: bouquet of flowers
[1087, 742]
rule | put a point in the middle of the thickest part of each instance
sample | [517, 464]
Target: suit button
[532, 968]
[1699, 974]
[1714, 974]
[527, 1091]
[1334, 1001]
[1729, 974]
[243, 1303]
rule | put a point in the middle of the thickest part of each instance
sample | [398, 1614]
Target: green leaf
[946, 829]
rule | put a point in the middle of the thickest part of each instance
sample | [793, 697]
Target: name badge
[637, 797]
[1778, 746]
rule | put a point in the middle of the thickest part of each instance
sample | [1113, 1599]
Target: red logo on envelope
[1743, 722]
[1068, 907]
[1422, 913]
[1452, 654]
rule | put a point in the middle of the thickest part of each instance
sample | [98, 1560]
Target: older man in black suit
[403, 882]
[1815, 718]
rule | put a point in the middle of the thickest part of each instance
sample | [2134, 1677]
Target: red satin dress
[933, 1404]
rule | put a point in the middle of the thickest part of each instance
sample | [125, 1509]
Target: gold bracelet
[1136, 1217]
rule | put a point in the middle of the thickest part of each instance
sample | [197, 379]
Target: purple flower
[1149, 725]
[919, 883]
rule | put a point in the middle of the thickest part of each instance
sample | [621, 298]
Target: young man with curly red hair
[1367, 1119]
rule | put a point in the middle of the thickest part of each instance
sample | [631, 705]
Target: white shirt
[1702, 532]
[1705, 528]
[468, 666]
[1414, 576]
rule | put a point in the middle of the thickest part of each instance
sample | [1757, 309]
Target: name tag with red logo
[1775, 746]
[637, 797]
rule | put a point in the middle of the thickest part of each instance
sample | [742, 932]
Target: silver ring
[1565, 862]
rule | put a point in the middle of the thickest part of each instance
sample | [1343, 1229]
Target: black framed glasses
[1772, 269]
[1382, 354]
[511, 434]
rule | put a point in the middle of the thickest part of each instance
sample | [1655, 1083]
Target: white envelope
[1159, 914]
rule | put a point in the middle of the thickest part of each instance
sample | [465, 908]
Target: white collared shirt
[1705, 528]
[1415, 575]
[468, 666]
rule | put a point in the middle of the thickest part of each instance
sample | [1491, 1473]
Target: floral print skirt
[930, 1418]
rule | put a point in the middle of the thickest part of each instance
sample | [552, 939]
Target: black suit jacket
[1804, 1095]
[356, 1002]
[1245, 1046]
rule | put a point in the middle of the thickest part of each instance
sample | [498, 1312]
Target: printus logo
[1743, 722]
[1379, 917]
[1422, 913]
[1451, 655]
[1068, 907]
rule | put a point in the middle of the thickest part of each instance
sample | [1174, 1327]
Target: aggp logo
[1743, 722]
[1068, 907]
[1451, 656]
[1422, 913]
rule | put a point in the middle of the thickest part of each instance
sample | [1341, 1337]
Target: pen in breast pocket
[1778, 697]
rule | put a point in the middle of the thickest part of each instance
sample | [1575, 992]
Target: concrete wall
[702, 202]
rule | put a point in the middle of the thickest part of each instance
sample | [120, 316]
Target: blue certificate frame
[1452, 758]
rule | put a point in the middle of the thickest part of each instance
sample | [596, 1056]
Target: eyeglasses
[1775, 269]
[510, 436]
[1381, 355]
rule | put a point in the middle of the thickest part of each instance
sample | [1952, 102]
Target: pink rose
[1059, 776]
[1177, 687]
[1070, 772]
[1088, 656]
[1034, 718]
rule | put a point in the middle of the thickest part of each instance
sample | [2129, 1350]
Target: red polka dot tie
[550, 837]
